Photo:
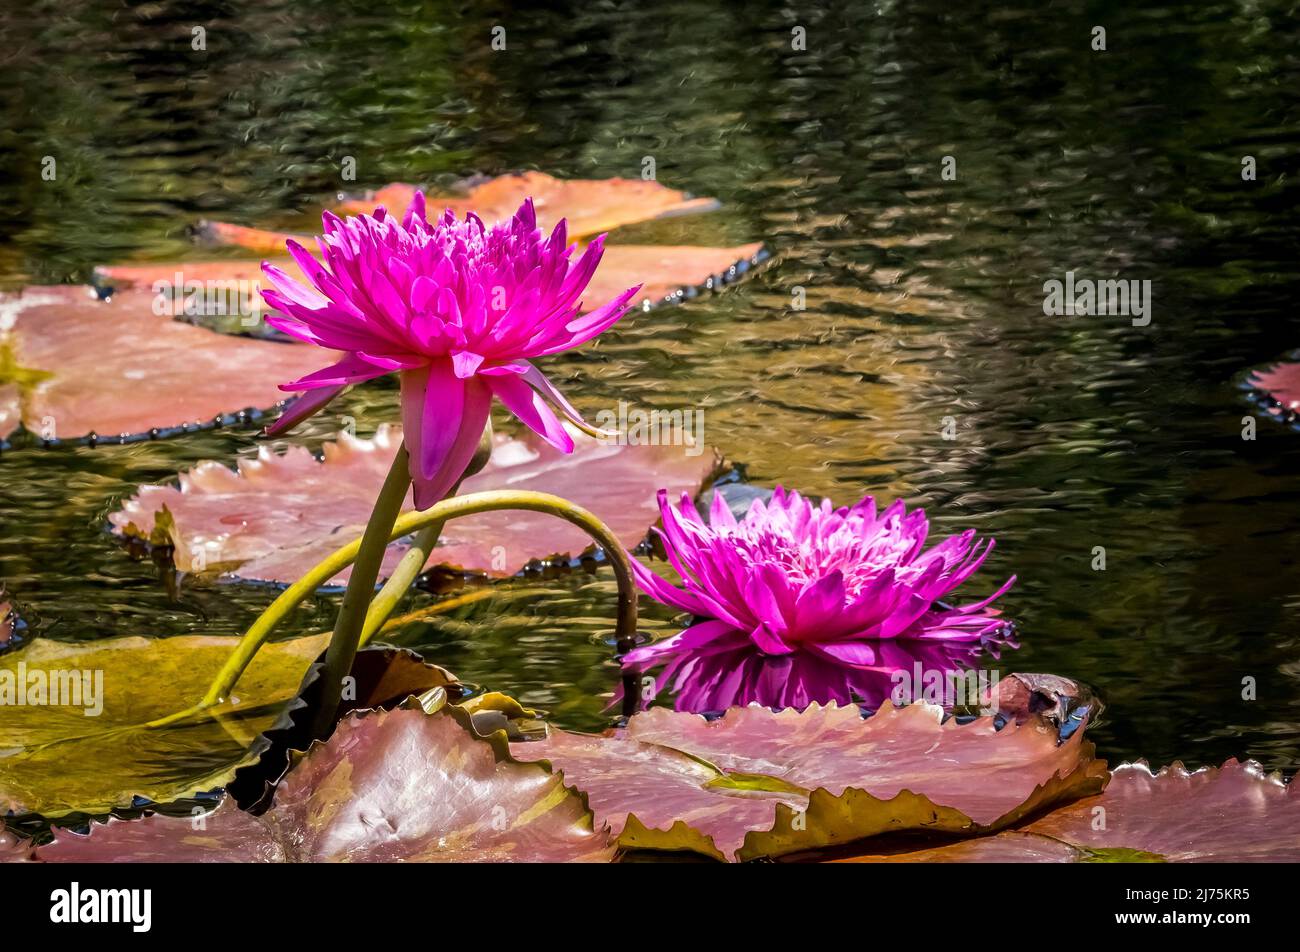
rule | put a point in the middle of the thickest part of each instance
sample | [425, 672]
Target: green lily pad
[90, 752]
[93, 755]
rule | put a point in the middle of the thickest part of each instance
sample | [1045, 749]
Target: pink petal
[533, 411]
[477, 404]
[351, 369]
[303, 406]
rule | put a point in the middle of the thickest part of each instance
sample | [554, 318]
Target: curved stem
[422, 546]
[361, 590]
[400, 581]
[448, 509]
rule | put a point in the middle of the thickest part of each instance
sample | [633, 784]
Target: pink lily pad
[1279, 386]
[733, 787]
[275, 516]
[388, 786]
[9, 621]
[1233, 814]
[13, 848]
[73, 367]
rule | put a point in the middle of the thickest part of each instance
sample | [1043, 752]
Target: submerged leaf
[73, 367]
[589, 206]
[279, 514]
[757, 783]
[72, 737]
[1233, 814]
[388, 786]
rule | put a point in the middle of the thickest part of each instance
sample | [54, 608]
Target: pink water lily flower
[800, 603]
[459, 309]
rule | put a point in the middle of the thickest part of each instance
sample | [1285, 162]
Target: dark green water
[924, 295]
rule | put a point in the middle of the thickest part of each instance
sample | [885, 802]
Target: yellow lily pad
[71, 734]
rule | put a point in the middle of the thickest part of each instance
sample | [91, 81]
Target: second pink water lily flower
[459, 309]
[798, 604]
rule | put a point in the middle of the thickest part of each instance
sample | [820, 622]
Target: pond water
[924, 314]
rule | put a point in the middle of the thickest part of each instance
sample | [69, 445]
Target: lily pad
[10, 623]
[1011, 846]
[75, 741]
[73, 367]
[668, 274]
[388, 786]
[14, 849]
[275, 516]
[589, 206]
[1233, 814]
[1279, 390]
[761, 783]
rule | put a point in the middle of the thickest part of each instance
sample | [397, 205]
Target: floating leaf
[388, 786]
[72, 740]
[1233, 814]
[178, 275]
[279, 514]
[668, 274]
[589, 206]
[1011, 846]
[1230, 815]
[91, 756]
[10, 624]
[14, 849]
[1279, 390]
[757, 783]
[74, 367]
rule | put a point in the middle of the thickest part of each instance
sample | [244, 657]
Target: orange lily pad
[275, 516]
[589, 206]
[761, 783]
[73, 367]
[667, 273]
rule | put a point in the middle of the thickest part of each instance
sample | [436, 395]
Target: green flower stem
[403, 576]
[361, 590]
[422, 546]
[453, 508]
